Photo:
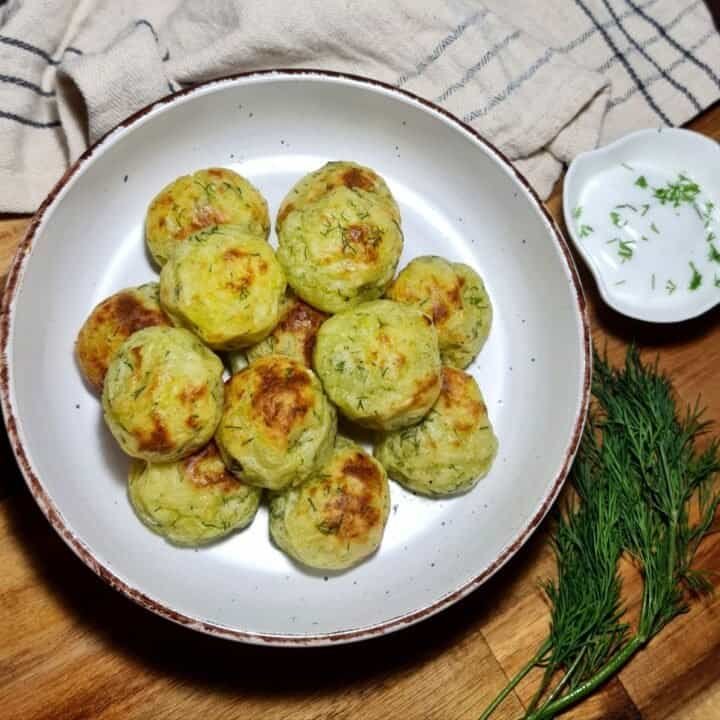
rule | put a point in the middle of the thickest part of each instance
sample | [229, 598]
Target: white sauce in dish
[642, 226]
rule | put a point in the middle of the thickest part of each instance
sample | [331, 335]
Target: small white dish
[644, 213]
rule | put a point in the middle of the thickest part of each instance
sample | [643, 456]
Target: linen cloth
[542, 79]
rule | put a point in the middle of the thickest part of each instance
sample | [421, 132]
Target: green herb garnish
[654, 228]
[706, 215]
[616, 219]
[327, 528]
[586, 230]
[652, 281]
[625, 250]
[671, 287]
[577, 212]
[637, 476]
[645, 208]
[641, 182]
[696, 279]
[683, 190]
[714, 255]
[208, 189]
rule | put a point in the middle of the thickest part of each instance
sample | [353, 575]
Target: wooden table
[70, 647]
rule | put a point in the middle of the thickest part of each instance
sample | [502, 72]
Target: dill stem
[518, 677]
[566, 678]
[550, 710]
[547, 677]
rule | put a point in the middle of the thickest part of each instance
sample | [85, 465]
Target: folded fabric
[541, 80]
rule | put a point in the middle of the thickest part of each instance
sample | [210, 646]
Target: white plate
[667, 268]
[459, 197]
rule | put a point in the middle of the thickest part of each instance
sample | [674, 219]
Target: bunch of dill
[644, 490]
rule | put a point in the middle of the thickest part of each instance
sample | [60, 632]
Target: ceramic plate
[644, 212]
[459, 198]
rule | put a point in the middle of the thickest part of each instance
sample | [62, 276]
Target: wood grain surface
[71, 648]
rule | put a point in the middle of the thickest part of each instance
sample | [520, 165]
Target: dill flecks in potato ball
[277, 423]
[340, 248]
[450, 449]
[215, 196]
[363, 181]
[112, 322]
[337, 517]
[163, 394]
[225, 285]
[380, 364]
[192, 501]
[454, 296]
[294, 335]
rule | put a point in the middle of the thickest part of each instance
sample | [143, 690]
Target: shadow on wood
[200, 661]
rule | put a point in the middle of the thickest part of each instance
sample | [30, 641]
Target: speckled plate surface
[459, 197]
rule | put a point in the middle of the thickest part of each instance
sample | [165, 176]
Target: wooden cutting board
[71, 648]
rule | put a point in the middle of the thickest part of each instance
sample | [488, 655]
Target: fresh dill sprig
[637, 476]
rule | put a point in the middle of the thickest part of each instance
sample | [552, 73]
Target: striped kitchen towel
[543, 79]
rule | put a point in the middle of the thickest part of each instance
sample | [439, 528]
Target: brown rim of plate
[55, 518]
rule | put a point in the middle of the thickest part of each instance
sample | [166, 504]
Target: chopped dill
[706, 215]
[586, 230]
[654, 228]
[625, 250]
[696, 279]
[683, 190]
[577, 212]
[617, 220]
[714, 255]
[641, 182]
[671, 287]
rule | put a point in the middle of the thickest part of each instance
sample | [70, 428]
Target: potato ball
[363, 181]
[215, 196]
[454, 296]
[192, 501]
[340, 246]
[163, 394]
[337, 517]
[450, 449]
[380, 364]
[225, 285]
[277, 425]
[112, 322]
